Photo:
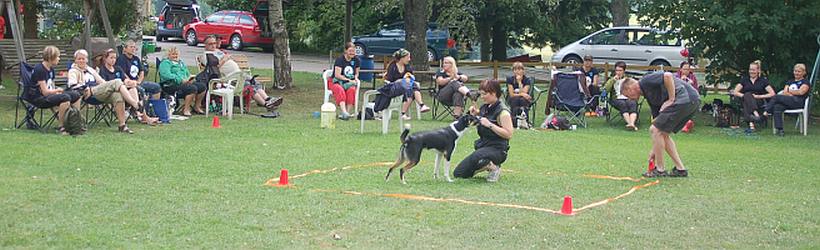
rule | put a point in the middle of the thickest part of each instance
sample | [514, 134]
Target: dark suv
[391, 38]
[174, 16]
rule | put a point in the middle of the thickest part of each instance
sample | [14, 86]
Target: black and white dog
[443, 140]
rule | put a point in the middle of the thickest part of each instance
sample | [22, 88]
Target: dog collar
[453, 127]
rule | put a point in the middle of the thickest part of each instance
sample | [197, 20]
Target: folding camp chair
[613, 115]
[30, 119]
[571, 95]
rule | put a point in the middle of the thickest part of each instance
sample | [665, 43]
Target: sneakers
[495, 172]
[473, 95]
[424, 108]
[654, 173]
[273, 103]
[678, 173]
[344, 116]
[406, 117]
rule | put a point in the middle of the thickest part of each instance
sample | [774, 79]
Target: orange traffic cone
[215, 123]
[566, 209]
[283, 178]
[651, 166]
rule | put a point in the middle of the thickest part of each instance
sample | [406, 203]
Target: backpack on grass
[74, 123]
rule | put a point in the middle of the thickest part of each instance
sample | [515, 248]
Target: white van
[633, 45]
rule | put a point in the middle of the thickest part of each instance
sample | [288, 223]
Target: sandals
[125, 129]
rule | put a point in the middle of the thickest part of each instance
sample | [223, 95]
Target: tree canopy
[732, 34]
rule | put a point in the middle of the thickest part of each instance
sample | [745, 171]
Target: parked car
[633, 45]
[174, 16]
[236, 29]
[391, 38]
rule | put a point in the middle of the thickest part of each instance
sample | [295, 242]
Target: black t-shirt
[441, 74]
[655, 92]
[32, 89]
[348, 67]
[757, 88]
[591, 73]
[795, 85]
[130, 66]
[393, 73]
[111, 75]
[525, 82]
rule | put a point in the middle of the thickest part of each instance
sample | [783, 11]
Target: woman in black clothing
[793, 96]
[518, 88]
[399, 70]
[494, 131]
[754, 90]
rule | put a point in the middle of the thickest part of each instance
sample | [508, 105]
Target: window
[246, 20]
[392, 32]
[215, 18]
[609, 37]
[230, 19]
[651, 38]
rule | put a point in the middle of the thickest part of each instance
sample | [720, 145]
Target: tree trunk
[484, 39]
[30, 10]
[415, 26]
[499, 42]
[134, 32]
[281, 48]
[620, 12]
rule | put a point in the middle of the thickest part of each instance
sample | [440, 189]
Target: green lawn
[186, 185]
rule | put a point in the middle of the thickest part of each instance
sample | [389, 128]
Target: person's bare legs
[672, 150]
[186, 105]
[128, 96]
[198, 102]
[260, 101]
[630, 119]
[263, 94]
[119, 108]
[61, 112]
[658, 145]
[343, 106]
[457, 111]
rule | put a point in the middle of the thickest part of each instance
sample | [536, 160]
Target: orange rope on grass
[273, 181]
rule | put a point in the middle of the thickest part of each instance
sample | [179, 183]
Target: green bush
[149, 28]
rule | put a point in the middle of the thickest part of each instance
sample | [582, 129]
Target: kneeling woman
[494, 131]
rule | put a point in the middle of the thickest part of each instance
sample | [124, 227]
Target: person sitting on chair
[133, 68]
[494, 131]
[176, 79]
[793, 96]
[593, 81]
[451, 89]
[628, 108]
[518, 92]
[109, 70]
[399, 69]
[685, 73]
[41, 91]
[98, 91]
[345, 80]
[753, 90]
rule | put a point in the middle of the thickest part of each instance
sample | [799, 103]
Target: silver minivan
[633, 45]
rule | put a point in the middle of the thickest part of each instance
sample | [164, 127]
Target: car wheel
[190, 38]
[660, 63]
[573, 59]
[431, 55]
[236, 42]
[360, 49]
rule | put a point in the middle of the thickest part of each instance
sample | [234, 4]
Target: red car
[236, 29]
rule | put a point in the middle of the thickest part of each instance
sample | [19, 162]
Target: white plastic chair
[234, 83]
[327, 75]
[802, 122]
[395, 106]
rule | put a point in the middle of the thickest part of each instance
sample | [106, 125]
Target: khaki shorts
[108, 92]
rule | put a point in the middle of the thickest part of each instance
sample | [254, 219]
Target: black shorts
[673, 118]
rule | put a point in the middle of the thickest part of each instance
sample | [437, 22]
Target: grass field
[186, 185]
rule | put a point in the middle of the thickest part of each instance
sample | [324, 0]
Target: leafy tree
[734, 33]
[244, 5]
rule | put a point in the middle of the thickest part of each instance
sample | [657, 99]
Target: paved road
[256, 59]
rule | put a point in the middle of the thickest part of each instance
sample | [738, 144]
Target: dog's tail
[405, 133]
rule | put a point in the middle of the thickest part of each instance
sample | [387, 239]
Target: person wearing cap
[592, 82]
[400, 72]
[672, 102]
